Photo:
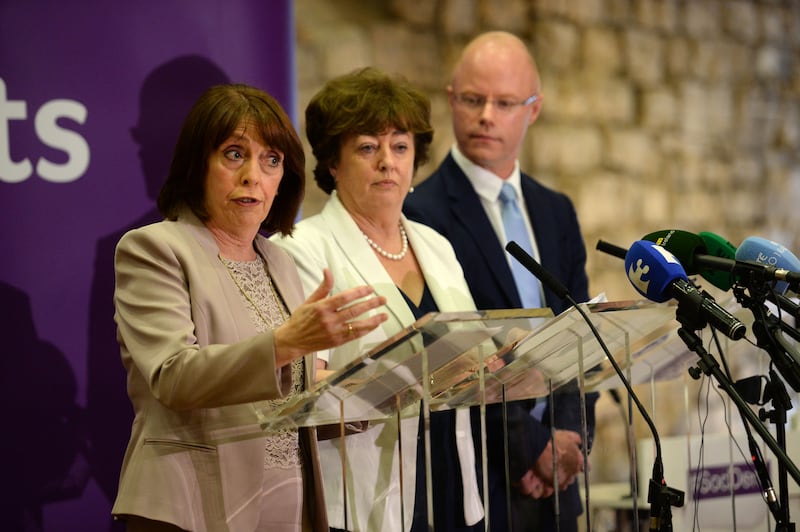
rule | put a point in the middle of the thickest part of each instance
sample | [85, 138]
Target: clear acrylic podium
[471, 359]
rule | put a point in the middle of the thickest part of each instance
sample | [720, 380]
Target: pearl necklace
[386, 254]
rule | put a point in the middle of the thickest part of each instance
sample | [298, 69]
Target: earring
[411, 190]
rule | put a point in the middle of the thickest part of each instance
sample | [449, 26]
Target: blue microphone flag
[652, 269]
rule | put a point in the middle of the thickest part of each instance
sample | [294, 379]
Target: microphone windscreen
[769, 253]
[611, 249]
[652, 269]
[683, 244]
[718, 247]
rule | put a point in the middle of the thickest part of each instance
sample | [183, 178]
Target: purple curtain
[92, 95]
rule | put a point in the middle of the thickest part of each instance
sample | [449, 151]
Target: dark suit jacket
[447, 202]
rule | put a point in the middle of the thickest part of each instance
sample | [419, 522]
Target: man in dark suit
[495, 95]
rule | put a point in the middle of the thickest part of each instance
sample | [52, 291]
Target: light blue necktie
[514, 224]
[527, 284]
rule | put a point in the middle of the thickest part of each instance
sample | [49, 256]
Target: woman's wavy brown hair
[364, 102]
[212, 120]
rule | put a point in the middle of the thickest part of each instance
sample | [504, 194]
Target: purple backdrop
[92, 94]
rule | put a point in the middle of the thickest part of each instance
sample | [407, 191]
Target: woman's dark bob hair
[212, 120]
[364, 102]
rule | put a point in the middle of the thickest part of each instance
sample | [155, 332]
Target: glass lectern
[471, 359]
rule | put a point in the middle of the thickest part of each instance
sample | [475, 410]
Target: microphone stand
[767, 329]
[660, 496]
[757, 397]
[781, 403]
[709, 366]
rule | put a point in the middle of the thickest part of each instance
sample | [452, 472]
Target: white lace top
[267, 312]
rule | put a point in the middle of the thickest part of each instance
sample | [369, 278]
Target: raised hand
[324, 321]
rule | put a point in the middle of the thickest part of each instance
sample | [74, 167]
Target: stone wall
[657, 113]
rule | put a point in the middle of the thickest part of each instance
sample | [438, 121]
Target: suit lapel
[363, 260]
[283, 273]
[225, 288]
[468, 210]
[541, 216]
[434, 270]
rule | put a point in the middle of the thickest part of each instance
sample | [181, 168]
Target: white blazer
[332, 240]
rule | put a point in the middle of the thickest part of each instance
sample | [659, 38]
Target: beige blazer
[198, 373]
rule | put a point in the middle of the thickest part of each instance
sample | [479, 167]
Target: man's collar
[486, 183]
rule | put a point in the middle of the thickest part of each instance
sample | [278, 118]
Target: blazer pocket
[181, 445]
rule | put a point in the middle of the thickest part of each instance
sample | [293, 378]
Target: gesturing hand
[323, 321]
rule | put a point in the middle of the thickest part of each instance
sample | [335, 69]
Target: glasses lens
[475, 102]
[472, 101]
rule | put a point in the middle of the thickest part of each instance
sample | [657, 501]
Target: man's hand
[569, 459]
[539, 481]
[533, 486]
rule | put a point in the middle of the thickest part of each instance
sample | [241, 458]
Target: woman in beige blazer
[214, 329]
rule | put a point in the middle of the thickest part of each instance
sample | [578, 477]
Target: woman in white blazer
[213, 325]
[369, 133]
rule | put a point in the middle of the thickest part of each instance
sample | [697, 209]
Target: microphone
[538, 271]
[760, 257]
[611, 249]
[718, 247]
[778, 262]
[660, 496]
[723, 280]
[693, 253]
[683, 244]
[658, 275]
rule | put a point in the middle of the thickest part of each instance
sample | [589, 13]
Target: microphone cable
[756, 457]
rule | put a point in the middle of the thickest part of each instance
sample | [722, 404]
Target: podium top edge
[544, 312]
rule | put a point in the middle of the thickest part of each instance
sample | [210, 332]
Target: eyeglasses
[476, 102]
